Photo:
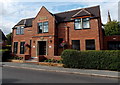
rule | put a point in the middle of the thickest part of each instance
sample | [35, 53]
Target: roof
[26, 22]
[3, 36]
[66, 16]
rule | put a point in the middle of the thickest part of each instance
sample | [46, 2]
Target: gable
[81, 13]
[43, 12]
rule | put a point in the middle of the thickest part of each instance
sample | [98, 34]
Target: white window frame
[81, 23]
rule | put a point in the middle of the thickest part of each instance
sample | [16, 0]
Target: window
[43, 27]
[40, 27]
[20, 30]
[86, 23]
[78, 24]
[113, 45]
[76, 44]
[90, 44]
[15, 47]
[82, 23]
[22, 48]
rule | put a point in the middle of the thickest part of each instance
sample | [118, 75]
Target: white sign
[50, 46]
[33, 46]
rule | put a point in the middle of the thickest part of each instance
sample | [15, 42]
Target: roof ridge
[27, 18]
[77, 9]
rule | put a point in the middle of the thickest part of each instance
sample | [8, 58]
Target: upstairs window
[43, 27]
[86, 23]
[20, 30]
[78, 24]
[82, 23]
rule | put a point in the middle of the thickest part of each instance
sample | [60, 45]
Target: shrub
[106, 59]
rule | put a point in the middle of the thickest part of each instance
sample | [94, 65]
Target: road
[18, 75]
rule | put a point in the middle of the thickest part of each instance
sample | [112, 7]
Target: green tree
[112, 28]
[9, 38]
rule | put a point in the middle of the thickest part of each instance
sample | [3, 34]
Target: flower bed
[50, 64]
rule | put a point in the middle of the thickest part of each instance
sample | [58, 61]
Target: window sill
[78, 29]
[19, 34]
[43, 32]
[82, 29]
[86, 28]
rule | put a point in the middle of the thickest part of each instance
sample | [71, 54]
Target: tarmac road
[20, 75]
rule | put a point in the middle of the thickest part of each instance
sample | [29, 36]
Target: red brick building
[79, 29]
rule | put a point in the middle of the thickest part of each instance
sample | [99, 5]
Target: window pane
[40, 27]
[45, 24]
[90, 44]
[15, 47]
[78, 24]
[76, 44]
[22, 30]
[22, 47]
[86, 23]
[18, 30]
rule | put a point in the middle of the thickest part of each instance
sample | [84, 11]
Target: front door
[42, 48]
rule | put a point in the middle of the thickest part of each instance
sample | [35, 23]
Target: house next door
[42, 48]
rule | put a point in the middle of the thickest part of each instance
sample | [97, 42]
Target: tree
[112, 28]
[9, 38]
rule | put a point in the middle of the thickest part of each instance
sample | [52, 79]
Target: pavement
[89, 72]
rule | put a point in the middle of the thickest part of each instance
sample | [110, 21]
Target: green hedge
[104, 60]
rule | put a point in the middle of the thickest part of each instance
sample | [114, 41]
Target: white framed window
[86, 23]
[78, 24]
[20, 30]
[43, 27]
[82, 23]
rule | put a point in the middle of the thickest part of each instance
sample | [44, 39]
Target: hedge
[103, 60]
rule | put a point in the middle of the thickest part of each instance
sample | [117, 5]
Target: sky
[12, 11]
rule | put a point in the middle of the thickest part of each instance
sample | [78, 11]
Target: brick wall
[110, 38]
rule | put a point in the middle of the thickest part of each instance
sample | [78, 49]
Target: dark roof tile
[65, 16]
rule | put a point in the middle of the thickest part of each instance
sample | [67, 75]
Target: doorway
[42, 48]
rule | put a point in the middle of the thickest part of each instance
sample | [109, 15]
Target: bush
[53, 61]
[104, 60]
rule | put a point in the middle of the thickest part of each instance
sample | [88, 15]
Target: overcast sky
[14, 10]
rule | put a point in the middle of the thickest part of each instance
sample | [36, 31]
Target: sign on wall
[43, 18]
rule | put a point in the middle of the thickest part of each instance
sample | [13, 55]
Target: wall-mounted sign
[33, 46]
[43, 18]
[42, 38]
[50, 46]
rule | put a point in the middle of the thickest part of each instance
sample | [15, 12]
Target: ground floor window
[15, 47]
[90, 44]
[76, 44]
[114, 45]
[22, 48]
